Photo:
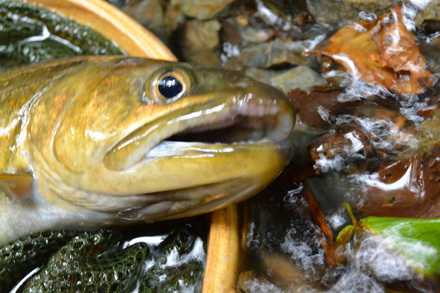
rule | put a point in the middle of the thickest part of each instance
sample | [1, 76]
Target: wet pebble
[270, 54]
[149, 13]
[300, 77]
[201, 42]
[429, 12]
[247, 29]
[335, 11]
[201, 9]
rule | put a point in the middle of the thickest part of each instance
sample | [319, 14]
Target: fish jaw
[175, 179]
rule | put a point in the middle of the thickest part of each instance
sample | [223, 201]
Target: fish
[94, 142]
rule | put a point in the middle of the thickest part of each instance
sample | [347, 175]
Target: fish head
[151, 140]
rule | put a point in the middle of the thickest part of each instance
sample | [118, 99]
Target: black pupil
[170, 87]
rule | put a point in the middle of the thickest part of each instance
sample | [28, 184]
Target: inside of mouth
[239, 130]
[243, 129]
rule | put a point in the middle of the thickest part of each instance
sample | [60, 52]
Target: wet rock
[230, 35]
[430, 45]
[201, 9]
[174, 17]
[428, 133]
[201, 41]
[315, 108]
[429, 12]
[285, 8]
[149, 13]
[272, 54]
[270, 13]
[335, 11]
[300, 77]
[431, 26]
[247, 29]
[279, 14]
[388, 130]
[340, 150]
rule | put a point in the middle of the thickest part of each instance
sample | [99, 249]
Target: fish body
[97, 141]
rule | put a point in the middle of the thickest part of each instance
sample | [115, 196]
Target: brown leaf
[327, 241]
[307, 105]
[311, 105]
[408, 188]
[382, 52]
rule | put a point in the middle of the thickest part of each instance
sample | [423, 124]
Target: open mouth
[194, 159]
[236, 129]
[249, 125]
[190, 133]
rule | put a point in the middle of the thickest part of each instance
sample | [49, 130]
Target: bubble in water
[302, 252]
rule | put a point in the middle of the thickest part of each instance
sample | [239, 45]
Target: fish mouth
[246, 124]
[196, 158]
[253, 136]
[247, 120]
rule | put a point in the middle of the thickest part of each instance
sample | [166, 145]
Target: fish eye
[170, 87]
[167, 86]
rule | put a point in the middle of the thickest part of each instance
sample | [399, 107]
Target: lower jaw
[176, 171]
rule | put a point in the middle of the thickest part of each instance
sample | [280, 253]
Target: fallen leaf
[318, 218]
[407, 188]
[314, 106]
[415, 241]
[382, 52]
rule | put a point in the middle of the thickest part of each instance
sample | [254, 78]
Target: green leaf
[417, 241]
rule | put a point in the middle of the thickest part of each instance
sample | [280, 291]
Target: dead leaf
[327, 240]
[307, 105]
[382, 52]
[407, 188]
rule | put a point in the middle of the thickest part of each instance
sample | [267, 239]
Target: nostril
[232, 77]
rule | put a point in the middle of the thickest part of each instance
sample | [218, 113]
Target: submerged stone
[201, 9]
[201, 41]
[149, 13]
[300, 77]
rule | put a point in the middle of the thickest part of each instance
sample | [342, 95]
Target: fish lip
[276, 115]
